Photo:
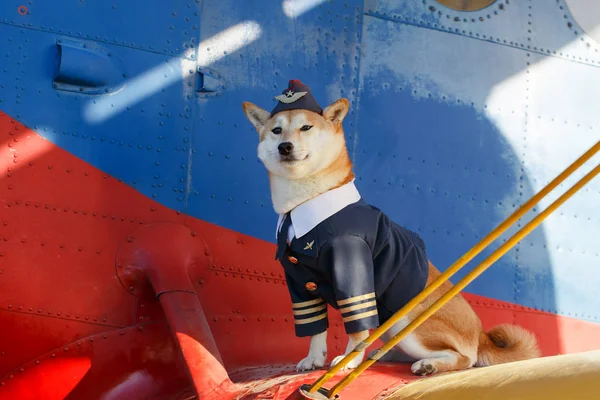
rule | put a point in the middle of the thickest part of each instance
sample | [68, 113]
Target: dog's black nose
[285, 148]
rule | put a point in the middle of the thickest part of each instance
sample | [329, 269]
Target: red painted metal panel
[28, 334]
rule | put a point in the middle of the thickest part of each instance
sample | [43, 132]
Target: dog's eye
[276, 131]
[305, 128]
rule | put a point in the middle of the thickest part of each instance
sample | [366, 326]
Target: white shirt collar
[314, 211]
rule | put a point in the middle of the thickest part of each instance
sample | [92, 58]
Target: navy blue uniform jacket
[357, 261]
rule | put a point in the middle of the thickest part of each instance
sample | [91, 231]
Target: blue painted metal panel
[455, 135]
[169, 27]
[502, 22]
[139, 134]
[426, 151]
[455, 120]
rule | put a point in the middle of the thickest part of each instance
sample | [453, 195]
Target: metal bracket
[209, 83]
[321, 394]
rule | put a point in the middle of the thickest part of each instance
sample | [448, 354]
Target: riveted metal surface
[148, 311]
[137, 259]
[138, 361]
[536, 25]
[441, 108]
[553, 30]
[175, 25]
[22, 341]
[147, 121]
[34, 256]
[487, 106]
[501, 22]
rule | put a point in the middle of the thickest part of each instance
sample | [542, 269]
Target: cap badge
[290, 96]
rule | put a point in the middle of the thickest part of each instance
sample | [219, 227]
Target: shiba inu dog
[338, 251]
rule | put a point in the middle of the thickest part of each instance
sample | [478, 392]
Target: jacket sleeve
[310, 312]
[351, 262]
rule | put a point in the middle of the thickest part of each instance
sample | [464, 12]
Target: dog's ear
[336, 112]
[256, 115]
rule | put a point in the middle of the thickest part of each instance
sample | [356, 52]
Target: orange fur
[453, 337]
[455, 327]
[506, 343]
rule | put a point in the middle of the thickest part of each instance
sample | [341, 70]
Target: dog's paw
[351, 365]
[423, 367]
[310, 363]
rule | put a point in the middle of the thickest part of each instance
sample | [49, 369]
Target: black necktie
[282, 236]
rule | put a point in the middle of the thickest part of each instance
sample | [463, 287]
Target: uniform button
[311, 286]
[293, 259]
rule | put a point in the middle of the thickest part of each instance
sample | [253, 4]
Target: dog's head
[298, 143]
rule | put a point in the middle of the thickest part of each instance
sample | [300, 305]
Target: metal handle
[87, 68]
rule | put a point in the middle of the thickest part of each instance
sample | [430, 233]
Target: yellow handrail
[455, 267]
[464, 282]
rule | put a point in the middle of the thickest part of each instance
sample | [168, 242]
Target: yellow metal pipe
[454, 268]
[465, 281]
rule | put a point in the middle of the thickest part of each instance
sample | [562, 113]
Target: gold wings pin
[309, 245]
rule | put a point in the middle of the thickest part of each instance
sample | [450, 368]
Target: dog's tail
[506, 343]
